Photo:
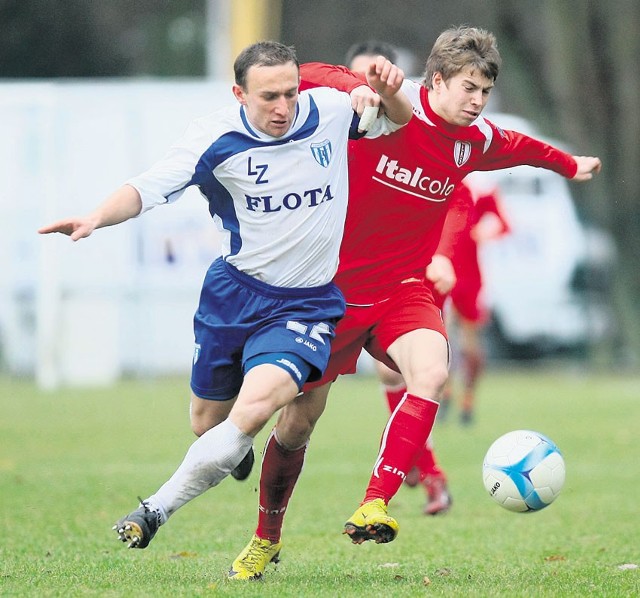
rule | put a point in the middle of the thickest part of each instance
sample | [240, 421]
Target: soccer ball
[523, 471]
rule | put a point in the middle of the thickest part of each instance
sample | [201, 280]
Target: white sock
[208, 461]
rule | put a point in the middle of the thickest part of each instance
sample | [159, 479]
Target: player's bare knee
[387, 376]
[428, 381]
[293, 433]
[252, 413]
[204, 414]
[200, 424]
[391, 378]
[261, 415]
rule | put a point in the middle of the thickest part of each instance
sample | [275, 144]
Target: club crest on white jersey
[322, 152]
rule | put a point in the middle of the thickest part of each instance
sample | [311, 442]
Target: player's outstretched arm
[587, 167]
[386, 78]
[389, 80]
[121, 205]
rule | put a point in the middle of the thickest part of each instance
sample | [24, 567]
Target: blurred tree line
[569, 65]
[95, 38]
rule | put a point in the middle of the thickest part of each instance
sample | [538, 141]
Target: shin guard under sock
[280, 471]
[404, 436]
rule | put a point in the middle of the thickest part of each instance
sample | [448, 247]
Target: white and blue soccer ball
[523, 471]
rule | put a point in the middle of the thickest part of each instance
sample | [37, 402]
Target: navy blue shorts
[239, 318]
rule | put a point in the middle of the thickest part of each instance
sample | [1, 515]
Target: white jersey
[280, 203]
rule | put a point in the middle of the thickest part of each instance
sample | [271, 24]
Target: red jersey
[402, 186]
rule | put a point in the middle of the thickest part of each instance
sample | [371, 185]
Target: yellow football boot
[252, 561]
[371, 522]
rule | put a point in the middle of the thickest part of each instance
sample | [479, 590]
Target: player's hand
[76, 228]
[440, 272]
[587, 167]
[362, 97]
[385, 77]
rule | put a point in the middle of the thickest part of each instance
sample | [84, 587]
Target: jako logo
[438, 190]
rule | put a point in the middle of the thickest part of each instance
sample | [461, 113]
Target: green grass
[73, 461]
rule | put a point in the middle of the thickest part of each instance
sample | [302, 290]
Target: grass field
[73, 461]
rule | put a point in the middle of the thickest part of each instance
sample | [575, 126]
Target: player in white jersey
[228, 158]
[274, 171]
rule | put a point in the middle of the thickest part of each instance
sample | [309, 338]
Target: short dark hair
[460, 47]
[371, 47]
[267, 53]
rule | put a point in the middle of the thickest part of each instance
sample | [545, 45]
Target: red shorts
[376, 327]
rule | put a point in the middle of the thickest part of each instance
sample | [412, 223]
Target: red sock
[404, 436]
[394, 396]
[280, 471]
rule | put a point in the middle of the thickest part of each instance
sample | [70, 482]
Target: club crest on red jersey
[461, 152]
[322, 152]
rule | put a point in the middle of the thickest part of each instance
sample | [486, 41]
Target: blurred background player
[464, 311]
[426, 471]
[359, 55]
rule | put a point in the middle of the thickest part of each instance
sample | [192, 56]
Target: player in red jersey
[426, 471]
[398, 203]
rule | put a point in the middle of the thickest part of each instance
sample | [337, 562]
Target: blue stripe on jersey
[221, 203]
[230, 144]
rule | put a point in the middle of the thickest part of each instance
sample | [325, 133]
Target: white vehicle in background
[538, 280]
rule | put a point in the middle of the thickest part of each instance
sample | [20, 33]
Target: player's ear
[239, 93]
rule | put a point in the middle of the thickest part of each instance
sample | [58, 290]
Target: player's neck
[434, 107]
